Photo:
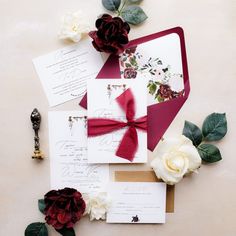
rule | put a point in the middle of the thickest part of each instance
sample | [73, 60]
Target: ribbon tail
[128, 145]
[100, 126]
[127, 103]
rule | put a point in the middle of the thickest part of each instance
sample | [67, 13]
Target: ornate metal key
[36, 120]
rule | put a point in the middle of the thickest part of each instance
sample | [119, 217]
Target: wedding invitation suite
[68, 154]
[137, 202]
[103, 104]
[64, 73]
[159, 61]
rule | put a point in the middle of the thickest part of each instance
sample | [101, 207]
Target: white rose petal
[97, 205]
[176, 82]
[174, 159]
[193, 156]
[73, 26]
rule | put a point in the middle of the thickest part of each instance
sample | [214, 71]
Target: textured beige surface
[205, 204]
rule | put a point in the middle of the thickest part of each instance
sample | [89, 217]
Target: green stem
[120, 11]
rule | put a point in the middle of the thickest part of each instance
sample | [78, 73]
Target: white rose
[176, 82]
[73, 26]
[97, 205]
[174, 158]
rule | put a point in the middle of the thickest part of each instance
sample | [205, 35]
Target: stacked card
[102, 103]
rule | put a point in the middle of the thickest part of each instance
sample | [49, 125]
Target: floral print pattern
[163, 84]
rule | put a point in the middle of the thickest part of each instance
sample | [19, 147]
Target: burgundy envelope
[162, 114]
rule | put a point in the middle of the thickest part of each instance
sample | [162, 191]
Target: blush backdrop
[205, 203]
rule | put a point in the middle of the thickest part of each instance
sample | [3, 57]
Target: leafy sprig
[214, 128]
[127, 9]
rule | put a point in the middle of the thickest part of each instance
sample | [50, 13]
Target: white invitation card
[64, 73]
[68, 154]
[102, 103]
[137, 202]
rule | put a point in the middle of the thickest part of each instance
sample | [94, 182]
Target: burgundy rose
[63, 208]
[175, 94]
[130, 50]
[130, 73]
[164, 91]
[111, 34]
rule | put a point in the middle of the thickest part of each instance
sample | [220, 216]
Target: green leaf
[157, 83]
[132, 61]
[209, 153]
[159, 98]
[36, 229]
[128, 65]
[41, 205]
[214, 127]
[192, 132]
[111, 5]
[66, 232]
[133, 15]
[152, 88]
[135, 1]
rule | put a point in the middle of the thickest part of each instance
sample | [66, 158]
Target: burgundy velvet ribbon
[129, 143]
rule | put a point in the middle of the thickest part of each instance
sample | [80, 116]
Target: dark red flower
[63, 208]
[175, 94]
[164, 91]
[130, 50]
[130, 73]
[111, 34]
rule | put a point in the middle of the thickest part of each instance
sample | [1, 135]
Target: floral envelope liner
[163, 83]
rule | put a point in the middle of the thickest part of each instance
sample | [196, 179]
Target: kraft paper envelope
[160, 115]
[147, 176]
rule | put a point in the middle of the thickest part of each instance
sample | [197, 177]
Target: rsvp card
[102, 103]
[64, 73]
[137, 202]
[68, 154]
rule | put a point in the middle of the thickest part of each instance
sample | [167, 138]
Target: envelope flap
[110, 69]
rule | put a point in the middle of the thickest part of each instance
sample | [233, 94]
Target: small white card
[64, 73]
[137, 202]
[68, 154]
[102, 94]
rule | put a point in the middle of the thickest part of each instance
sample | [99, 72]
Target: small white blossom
[174, 158]
[73, 27]
[97, 205]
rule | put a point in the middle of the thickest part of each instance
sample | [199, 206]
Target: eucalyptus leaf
[66, 231]
[111, 5]
[192, 132]
[214, 127]
[41, 205]
[36, 229]
[133, 14]
[209, 153]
